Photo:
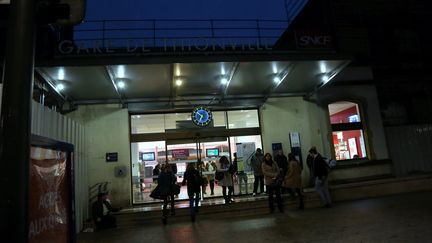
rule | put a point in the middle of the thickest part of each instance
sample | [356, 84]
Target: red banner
[49, 196]
[180, 153]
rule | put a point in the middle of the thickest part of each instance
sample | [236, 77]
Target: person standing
[271, 172]
[166, 181]
[309, 163]
[227, 181]
[191, 177]
[202, 169]
[256, 164]
[211, 167]
[292, 180]
[282, 161]
[320, 172]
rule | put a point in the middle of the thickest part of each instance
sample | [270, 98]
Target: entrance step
[248, 205]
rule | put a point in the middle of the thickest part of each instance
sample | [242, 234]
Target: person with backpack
[320, 172]
[192, 178]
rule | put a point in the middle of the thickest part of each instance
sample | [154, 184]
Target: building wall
[107, 129]
[370, 113]
[280, 116]
[48, 123]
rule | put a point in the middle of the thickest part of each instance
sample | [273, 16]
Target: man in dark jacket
[256, 163]
[320, 172]
[309, 163]
[101, 210]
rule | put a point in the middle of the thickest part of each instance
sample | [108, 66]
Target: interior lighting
[179, 82]
[60, 87]
[276, 79]
[121, 84]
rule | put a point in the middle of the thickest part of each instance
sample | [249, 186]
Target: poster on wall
[352, 145]
[245, 151]
[276, 147]
[50, 217]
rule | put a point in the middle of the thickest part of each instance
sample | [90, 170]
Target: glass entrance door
[204, 153]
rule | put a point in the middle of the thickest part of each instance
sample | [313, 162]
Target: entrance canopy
[181, 86]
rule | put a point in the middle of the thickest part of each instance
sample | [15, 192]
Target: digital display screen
[212, 152]
[148, 156]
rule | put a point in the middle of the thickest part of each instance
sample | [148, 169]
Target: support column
[15, 121]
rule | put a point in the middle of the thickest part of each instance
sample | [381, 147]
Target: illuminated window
[347, 130]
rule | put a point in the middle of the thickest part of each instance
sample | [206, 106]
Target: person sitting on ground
[101, 210]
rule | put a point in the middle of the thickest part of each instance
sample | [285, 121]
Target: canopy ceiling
[153, 87]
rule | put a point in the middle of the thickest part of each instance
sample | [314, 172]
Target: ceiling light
[179, 82]
[325, 78]
[224, 81]
[276, 79]
[121, 71]
[323, 67]
[61, 74]
[121, 84]
[274, 68]
[60, 87]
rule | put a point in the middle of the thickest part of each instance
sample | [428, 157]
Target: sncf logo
[313, 40]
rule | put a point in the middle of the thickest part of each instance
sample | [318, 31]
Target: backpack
[331, 163]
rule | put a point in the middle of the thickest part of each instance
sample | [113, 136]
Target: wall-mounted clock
[201, 116]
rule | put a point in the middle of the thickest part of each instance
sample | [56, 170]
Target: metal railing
[96, 189]
[153, 33]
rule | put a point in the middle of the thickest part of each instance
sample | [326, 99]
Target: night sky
[190, 9]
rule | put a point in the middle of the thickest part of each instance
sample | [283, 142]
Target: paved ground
[403, 218]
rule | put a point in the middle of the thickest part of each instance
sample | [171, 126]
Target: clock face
[201, 116]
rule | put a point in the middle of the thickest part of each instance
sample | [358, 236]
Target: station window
[347, 130]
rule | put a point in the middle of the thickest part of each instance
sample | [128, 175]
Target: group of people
[284, 175]
[278, 176]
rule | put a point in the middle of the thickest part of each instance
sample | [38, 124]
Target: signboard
[295, 139]
[245, 151]
[50, 217]
[111, 157]
[180, 153]
[313, 39]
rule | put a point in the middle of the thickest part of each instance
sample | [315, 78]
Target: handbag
[155, 194]
[175, 189]
[219, 175]
[277, 182]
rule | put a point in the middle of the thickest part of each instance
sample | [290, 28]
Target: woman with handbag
[273, 179]
[166, 182]
[227, 180]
